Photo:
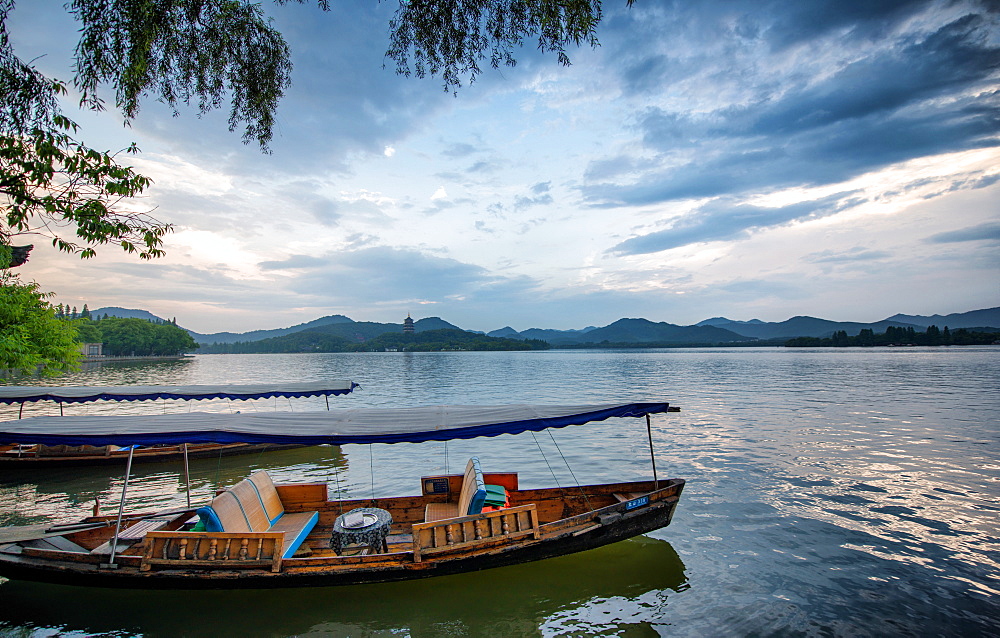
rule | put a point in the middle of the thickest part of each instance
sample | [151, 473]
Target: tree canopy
[31, 337]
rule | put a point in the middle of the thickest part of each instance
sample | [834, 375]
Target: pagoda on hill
[408, 325]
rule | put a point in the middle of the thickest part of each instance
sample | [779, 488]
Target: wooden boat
[38, 455]
[270, 535]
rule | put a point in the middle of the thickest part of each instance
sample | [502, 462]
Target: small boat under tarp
[31, 453]
[256, 534]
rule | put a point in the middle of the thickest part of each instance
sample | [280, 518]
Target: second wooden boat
[30, 454]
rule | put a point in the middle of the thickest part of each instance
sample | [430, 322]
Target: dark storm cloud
[721, 220]
[913, 95]
[981, 232]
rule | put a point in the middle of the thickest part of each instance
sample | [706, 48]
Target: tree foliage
[31, 337]
[52, 185]
[137, 337]
[451, 38]
[178, 51]
[900, 336]
[184, 51]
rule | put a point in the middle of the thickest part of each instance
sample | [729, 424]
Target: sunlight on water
[830, 492]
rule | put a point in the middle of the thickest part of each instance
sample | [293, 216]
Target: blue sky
[744, 159]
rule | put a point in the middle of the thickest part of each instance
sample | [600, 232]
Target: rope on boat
[371, 469]
[544, 458]
[340, 495]
[218, 471]
[571, 472]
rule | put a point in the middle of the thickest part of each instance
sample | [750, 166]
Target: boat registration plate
[636, 502]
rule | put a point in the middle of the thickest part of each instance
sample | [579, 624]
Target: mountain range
[717, 330]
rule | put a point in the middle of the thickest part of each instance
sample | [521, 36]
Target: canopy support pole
[652, 458]
[327, 397]
[21, 410]
[187, 476]
[121, 510]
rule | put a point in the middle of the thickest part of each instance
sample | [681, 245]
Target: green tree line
[898, 336]
[134, 337]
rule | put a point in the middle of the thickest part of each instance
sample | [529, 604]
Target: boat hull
[147, 455]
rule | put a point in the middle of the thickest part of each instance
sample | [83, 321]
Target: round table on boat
[373, 535]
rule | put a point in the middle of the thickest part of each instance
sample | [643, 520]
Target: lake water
[831, 492]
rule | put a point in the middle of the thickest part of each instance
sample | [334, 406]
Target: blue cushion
[210, 519]
[301, 536]
[479, 496]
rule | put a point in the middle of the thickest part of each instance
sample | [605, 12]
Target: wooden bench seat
[244, 526]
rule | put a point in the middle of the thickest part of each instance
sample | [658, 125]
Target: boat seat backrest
[229, 513]
[473, 494]
[261, 480]
[250, 503]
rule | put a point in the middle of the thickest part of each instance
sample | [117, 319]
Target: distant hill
[505, 332]
[804, 327]
[814, 327]
[125, 313]
[321, 340]
[334, 331]
[257, 335]
[630, 331]
[987, 317]
[721, 321]
[325, 335]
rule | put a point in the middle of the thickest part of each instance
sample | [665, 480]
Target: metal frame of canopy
[433, 423]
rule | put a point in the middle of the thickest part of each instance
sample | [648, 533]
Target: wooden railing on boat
[207, 550]
[488, 528]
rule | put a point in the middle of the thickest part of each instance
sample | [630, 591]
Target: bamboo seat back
[268, 494]
[230, 513]
[471, 485]
[253, 509]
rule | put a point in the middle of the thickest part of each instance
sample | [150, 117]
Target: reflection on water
[830, 492]
[509, 601]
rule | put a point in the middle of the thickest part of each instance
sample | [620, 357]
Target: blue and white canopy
[83, 394]
[337, 427]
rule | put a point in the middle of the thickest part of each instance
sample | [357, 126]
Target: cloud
[849, 256]
[870, 103]
[727, 219]
[459, 150]
[989, 231]
[294, 262]
[384, 273]
[540, 196]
